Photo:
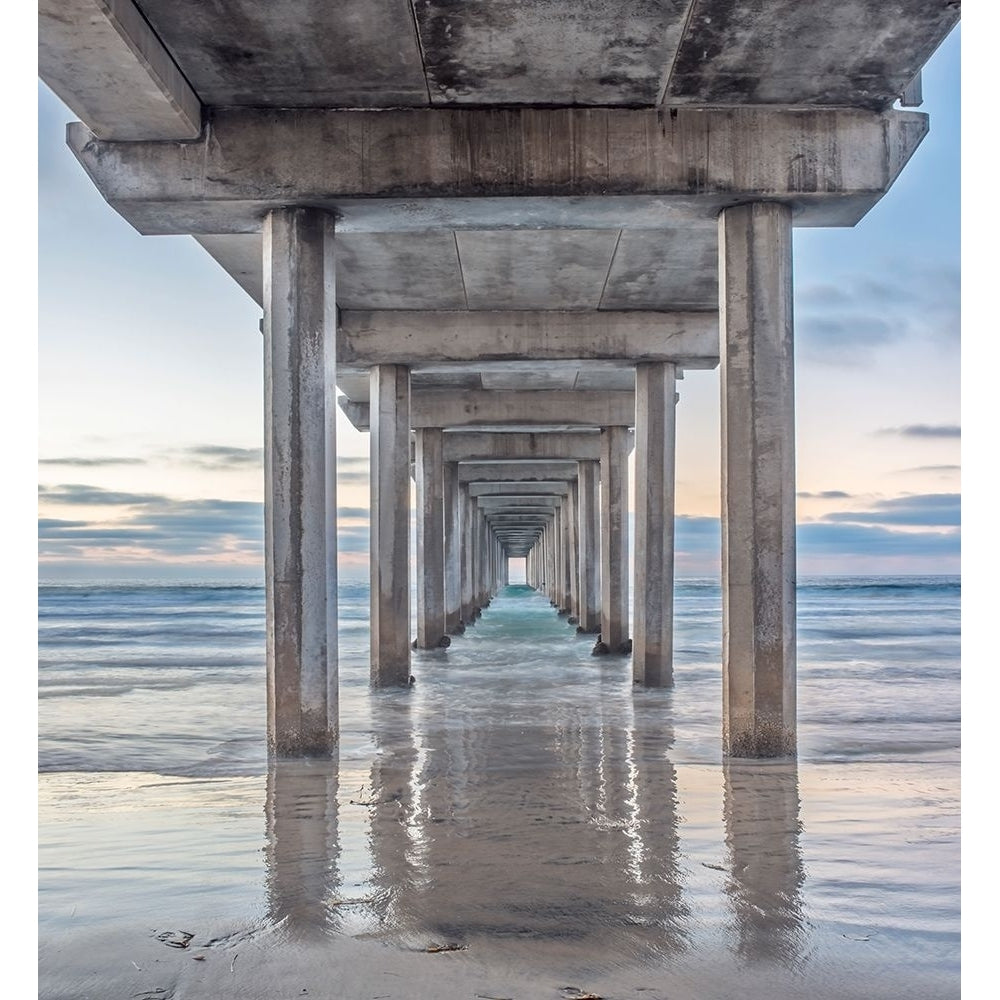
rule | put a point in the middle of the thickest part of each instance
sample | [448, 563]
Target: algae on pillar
[758, 480]
[300, 532]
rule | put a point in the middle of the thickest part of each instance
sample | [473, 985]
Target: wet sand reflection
[761, 812]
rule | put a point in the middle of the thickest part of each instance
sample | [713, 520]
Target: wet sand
[540, 822]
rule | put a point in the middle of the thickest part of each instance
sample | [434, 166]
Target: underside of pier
[502, 232]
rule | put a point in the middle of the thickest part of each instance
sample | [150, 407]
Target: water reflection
[302, 847]
[761, 810]
[563, 832]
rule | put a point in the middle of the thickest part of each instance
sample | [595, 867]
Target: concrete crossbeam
[470, 446]
[524, 488]
[498, 168]
[689, 339]
[472, 408]
[103, 61]
[503, 472]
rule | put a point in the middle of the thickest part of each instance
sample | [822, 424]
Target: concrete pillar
[452, 550]
[430, 538]
[468, 606]
[758, 480]
[588, 499]
[653, 623]
[614, 538]
[300, 481]
[390, 525]
[572, 535]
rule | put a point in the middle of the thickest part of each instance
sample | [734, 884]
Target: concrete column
[390, 525]
[653, 624]
[572, 535]
[430, 538]
[452, 550]
[468, 553]
[300, 481]
[758, 480]
[590, 534]
[614, 538]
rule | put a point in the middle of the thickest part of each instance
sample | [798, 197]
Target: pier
[495, 237]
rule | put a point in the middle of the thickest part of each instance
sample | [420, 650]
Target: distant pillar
[758, 480]
[572, 550]
[590, 534]
[300, 502]
[452, 549]
[614, 538]
[430, 537]
[468, 605]
[653, 624]
[390, 525]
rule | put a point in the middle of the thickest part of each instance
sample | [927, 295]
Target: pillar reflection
[761, 809]
[563, 832]
[302, 848]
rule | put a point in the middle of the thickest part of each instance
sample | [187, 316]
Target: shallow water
[521, 802]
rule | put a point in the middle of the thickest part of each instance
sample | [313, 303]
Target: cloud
[825, 495]
[843, 323]
[930, 468]
[221, 457]
[90, 463]
[924, 431]
[929, 510]
[78, 494]
[867, 540]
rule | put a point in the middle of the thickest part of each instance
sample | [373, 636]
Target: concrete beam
[689, 339]
[599, 168]
[523, 488]
[472, 408]
[514, 472]
[103, 61]
[472, 446]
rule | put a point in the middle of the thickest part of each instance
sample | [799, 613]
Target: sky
[150, 389]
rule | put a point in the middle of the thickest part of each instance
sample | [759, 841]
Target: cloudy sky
[150, 389]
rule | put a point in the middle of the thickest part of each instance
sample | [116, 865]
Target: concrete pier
[653, 619]
[430, 539]
[300, 461]
[614, 538]
[390, 525]
[525, 260]
[758, 481]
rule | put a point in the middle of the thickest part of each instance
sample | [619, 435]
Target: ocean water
[522, 802]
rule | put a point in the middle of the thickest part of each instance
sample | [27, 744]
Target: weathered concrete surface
[468, 590]
[353, 53]
[503, 168]
[524, 52]
[472, 408]
[781, 52]
[105, 63]
[590, 546]
[614, 538]
[655, 436]
[691, 339]
[430, 539]
[758, 481]
[300, 462]
[390, 526]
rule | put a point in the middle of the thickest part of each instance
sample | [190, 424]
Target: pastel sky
[150, 389]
